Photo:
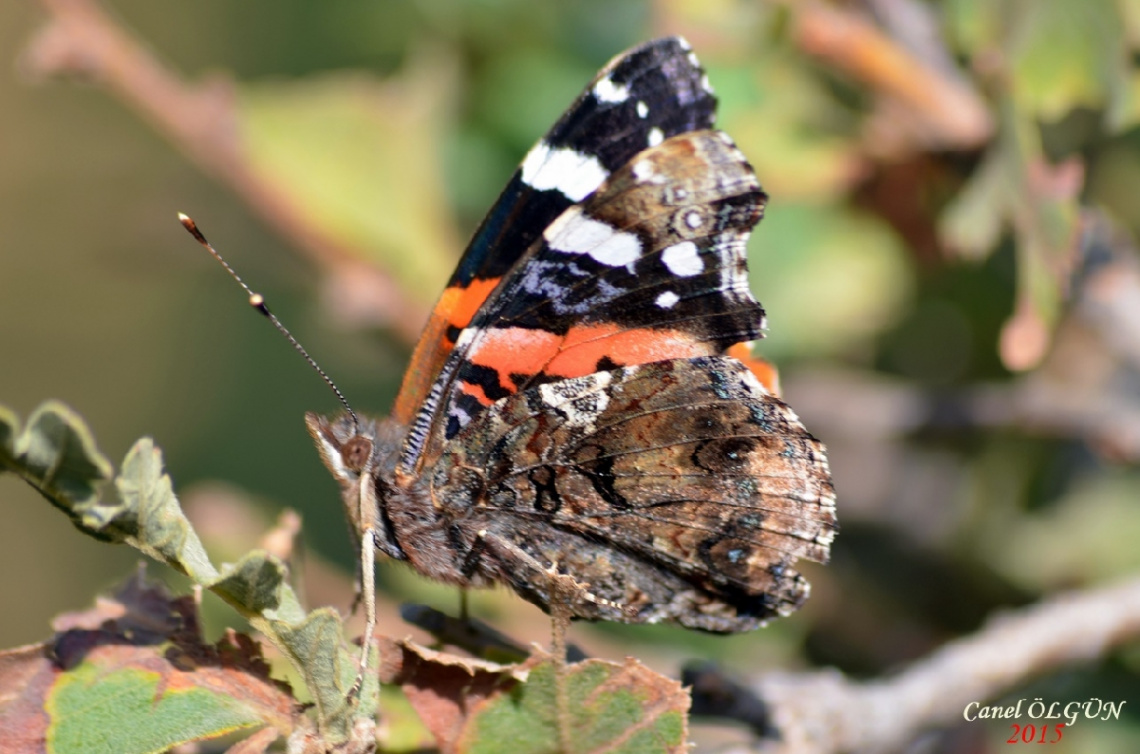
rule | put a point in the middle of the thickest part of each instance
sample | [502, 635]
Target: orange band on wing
[525, 352]
[585, 347]
[475, 391]
[765, 371]
[455, 309]
[521, 351]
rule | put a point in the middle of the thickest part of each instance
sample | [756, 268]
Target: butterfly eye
[356, 452]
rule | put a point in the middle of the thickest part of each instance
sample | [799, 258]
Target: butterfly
[581, 420]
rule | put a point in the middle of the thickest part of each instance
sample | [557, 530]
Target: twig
[80, 39]
[281, 541]
[824, 713]
[926, 107]
[867, 407]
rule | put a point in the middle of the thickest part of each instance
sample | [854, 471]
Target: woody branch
[825, 712]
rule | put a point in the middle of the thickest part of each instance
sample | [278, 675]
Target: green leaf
[131, 713]
[316, 647]
[59, 457]
[429, 679]
[1128, 114]
[617, 709]
[256, 585]
[769, 108]
[313, 642]
[359, 158]
[9, 425]
[1017, 187]
[1045, 215]
[1066, 55]
[56, 454]
[1130, 15]
[802, 254]
[972, 223]
[133, 675]
[149, 516]
[976, 25]
[1088, 536]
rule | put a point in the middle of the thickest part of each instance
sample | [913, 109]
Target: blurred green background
[947, 262]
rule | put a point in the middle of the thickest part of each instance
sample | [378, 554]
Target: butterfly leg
[511, 564]
[563, 598]
[471, 559]
[560, 615]
[368, 594]
[367, 580]
[464, 608]
[470, 563]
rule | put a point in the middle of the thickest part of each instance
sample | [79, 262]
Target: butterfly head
[360, 453]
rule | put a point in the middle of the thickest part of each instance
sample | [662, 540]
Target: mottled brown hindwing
[676, 491]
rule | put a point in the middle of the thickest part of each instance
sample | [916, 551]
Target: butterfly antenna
[257, 301]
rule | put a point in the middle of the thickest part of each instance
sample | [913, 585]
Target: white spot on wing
[656, 136]
[683, 260]
[580, 400]
[460, 416]
[667, 300]
[733, 150]
[608, 91]
[693, 219]
[574, 174]
[645, 172]
[539, 279]
[642, 109]
[574, 233]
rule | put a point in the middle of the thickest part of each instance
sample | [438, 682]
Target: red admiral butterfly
[581, 408]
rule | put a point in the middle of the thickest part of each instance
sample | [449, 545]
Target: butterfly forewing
[650, 267]
[641, 97]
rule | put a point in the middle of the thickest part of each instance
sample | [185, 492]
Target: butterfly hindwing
[641, 97]
[684, 490]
